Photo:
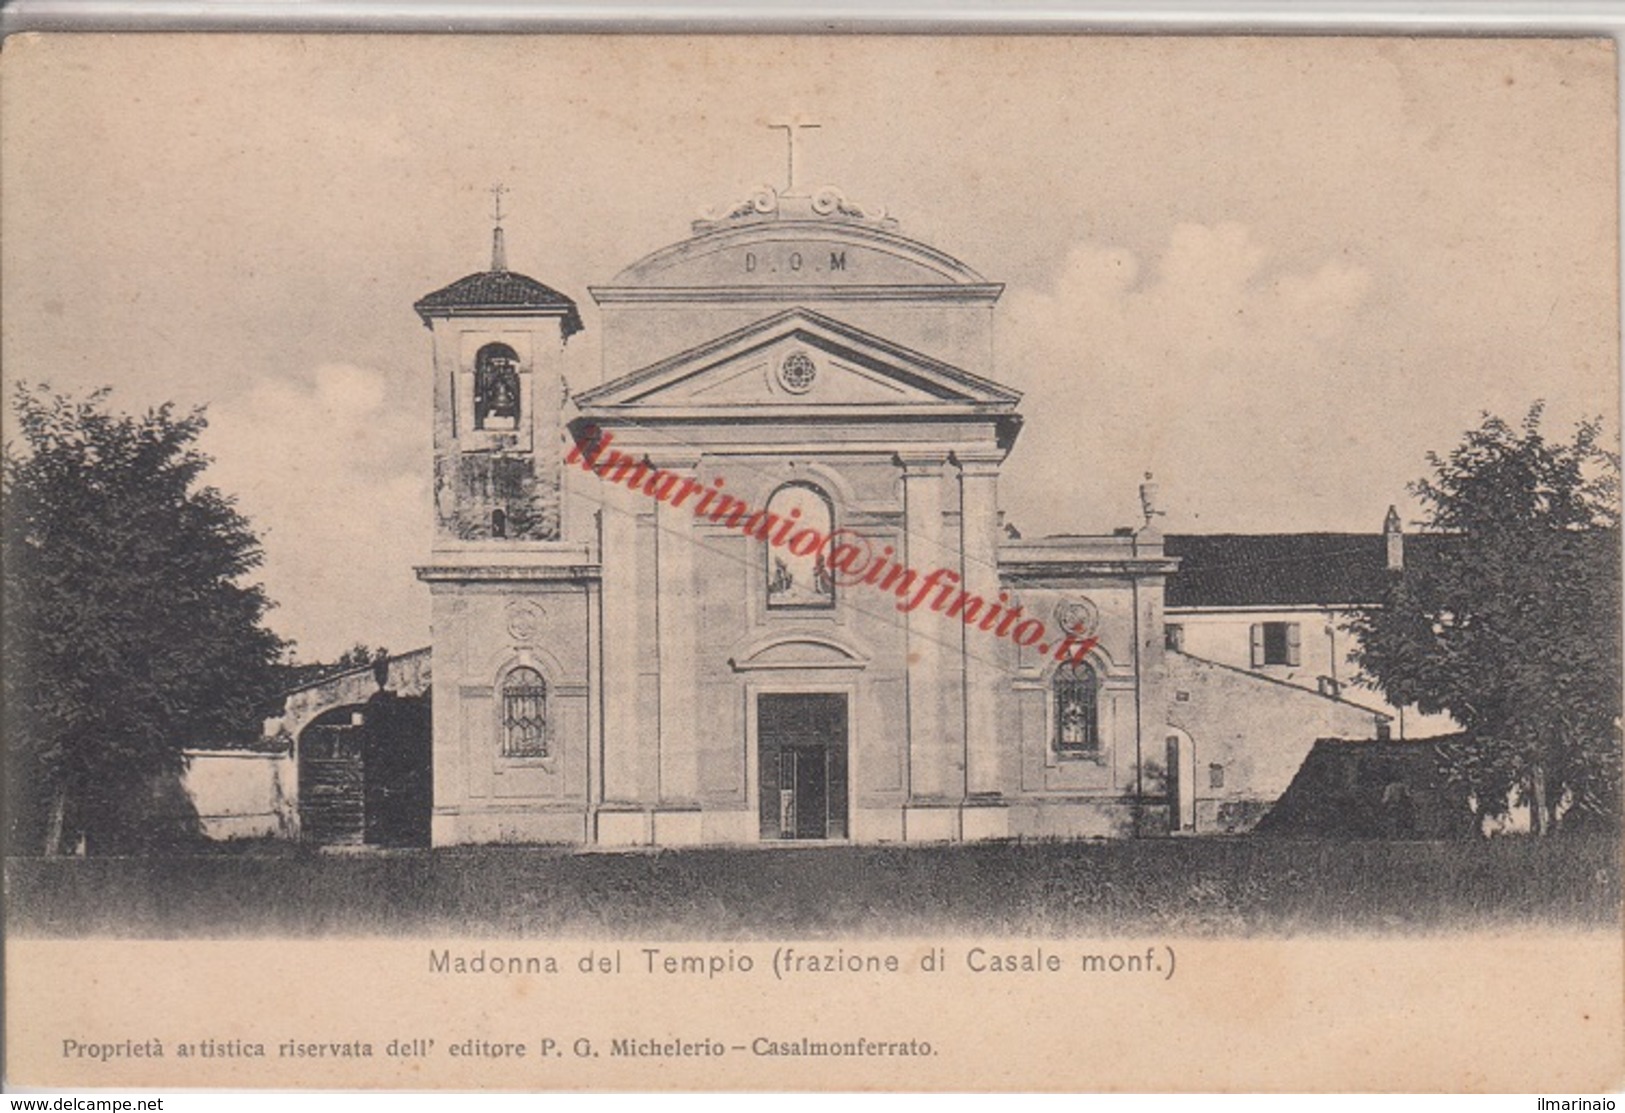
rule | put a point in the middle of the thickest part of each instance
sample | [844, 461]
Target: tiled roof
[499, 292]
[1321, 569]
[1283, 569]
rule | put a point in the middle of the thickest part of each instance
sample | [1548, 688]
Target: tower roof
[500, 293]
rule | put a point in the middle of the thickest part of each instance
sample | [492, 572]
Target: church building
[756, 586]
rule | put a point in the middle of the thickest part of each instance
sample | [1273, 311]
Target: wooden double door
[803, 765]
[365, 774]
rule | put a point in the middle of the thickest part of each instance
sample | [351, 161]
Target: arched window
[499, 523]
[496, 388]
[798, 524]
[1077, 710]
[524, 714]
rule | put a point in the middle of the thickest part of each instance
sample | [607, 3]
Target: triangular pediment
[798, 358]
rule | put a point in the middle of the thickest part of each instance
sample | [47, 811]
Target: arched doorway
[365, 773]
[1181, 782]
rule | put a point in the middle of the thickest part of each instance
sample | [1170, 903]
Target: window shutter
[1258, 645]
[1294, 644]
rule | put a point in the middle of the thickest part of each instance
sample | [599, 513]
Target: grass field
[1236, 886]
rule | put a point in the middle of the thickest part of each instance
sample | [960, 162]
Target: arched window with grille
[524, 714]
[496, 388]
[1077, 710]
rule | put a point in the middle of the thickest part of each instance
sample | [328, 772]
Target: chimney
[1395, 539]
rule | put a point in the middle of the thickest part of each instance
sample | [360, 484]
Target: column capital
[921, 465]
[674, 461]
[978, 463]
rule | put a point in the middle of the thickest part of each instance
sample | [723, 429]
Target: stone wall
[242, 794]
[1249, 735]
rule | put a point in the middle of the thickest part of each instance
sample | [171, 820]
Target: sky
[1273, 272]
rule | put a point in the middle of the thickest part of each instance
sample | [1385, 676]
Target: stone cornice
[1039, 572]
[634, 416]
[973, 292]
[876, 447]
[509, 573]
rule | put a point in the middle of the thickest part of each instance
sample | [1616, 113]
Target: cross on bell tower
[499, 247]
[499, 339]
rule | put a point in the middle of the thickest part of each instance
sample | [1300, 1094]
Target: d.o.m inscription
[793, 261]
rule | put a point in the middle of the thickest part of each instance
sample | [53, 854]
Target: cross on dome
[792, 130]
[793, 202]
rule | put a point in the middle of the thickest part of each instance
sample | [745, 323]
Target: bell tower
[499, 341]
[512, 601]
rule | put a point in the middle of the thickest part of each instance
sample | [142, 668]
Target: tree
[1510, 621]
[360, 654]
[128, 632]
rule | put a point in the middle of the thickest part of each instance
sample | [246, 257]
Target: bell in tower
[499, 340]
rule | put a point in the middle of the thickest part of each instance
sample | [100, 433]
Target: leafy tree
[127, 631]
[359, 654]
[1511, 621]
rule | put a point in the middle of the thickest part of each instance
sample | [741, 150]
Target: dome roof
[500, 293]
[824, 240]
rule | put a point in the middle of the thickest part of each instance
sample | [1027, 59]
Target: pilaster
[621, 750]
[935, 759]
[676, 610]
[984, 668]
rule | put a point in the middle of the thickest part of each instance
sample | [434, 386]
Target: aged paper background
[1300, 1015]
[244, 221]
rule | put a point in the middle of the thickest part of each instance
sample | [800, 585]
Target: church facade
[756, 586]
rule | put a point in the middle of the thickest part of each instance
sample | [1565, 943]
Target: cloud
[1209, 361]
[332, 467]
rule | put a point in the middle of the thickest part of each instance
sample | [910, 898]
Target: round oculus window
[1078, 618]
[797, 372]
